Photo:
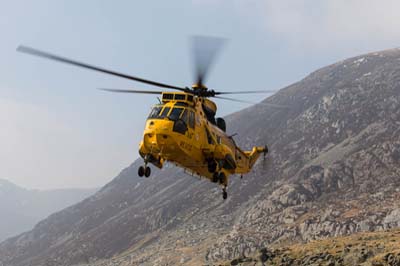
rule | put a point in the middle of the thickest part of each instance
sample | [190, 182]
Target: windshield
[184, 116]
[155, 112]
[175, 114]
[165, 112]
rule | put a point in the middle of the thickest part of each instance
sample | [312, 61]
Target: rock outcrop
[369, 249]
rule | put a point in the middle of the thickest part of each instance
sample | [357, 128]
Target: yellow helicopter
[182, 128]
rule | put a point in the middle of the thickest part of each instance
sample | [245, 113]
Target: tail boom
[247, 159]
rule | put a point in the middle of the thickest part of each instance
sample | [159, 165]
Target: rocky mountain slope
[21, 209]
[333, 169]
[368, 249]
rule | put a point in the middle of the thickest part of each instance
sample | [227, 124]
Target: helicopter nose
[156, 142]
[153, 138]
[157, 136]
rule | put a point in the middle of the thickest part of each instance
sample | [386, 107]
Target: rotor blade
[131, 91]
[204, 51]
[32, 51]
[242, 101]
[243, 92]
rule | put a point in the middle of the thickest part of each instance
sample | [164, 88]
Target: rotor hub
[202, 91]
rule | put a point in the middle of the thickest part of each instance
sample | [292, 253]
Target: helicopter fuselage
[181, 131]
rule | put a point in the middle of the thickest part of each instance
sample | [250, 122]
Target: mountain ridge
[333, 169]
[22, 208]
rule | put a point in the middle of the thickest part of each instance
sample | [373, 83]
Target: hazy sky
[57, 130]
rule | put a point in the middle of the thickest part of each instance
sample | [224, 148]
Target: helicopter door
[209, 137]
[189, 117]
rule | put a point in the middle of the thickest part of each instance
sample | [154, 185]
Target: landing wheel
[224, 194]
[147, 171]
[215, 177]
[141, 171]
[221, 178]
[212, 166]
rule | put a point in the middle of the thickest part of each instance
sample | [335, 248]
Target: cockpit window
[180, 97]
[155, 112]
[165, 112]
[175, 114]
[185, 116]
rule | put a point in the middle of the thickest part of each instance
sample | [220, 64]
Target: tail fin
[255, 153]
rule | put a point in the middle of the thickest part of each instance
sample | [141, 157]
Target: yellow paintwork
[193, 149]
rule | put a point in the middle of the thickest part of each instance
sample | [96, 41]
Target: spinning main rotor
[204, 51]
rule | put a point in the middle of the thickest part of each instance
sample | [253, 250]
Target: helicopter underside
[161, 146]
